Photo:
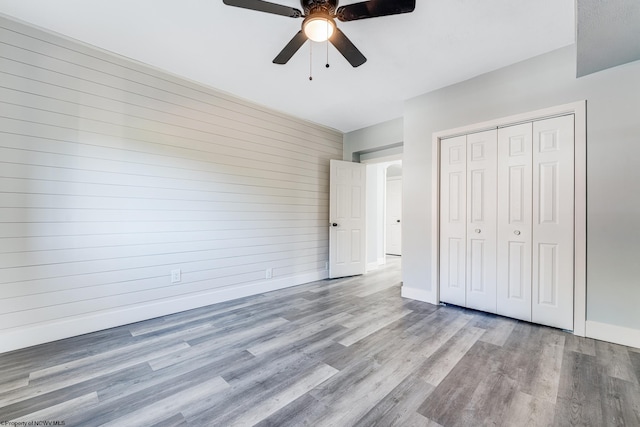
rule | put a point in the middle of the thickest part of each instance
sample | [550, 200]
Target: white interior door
[481, 220]
[514, 221]
[347, 226]
[553, 221]
[394, 217]
[453, 220]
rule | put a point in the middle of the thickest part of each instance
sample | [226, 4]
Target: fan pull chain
[327, 54]
[327, 44]
[310, 61]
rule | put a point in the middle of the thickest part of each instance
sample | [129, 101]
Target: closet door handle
[517, 232]
[478, 230]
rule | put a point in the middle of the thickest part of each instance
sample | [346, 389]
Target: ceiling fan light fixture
[318, 28]
[319, 24]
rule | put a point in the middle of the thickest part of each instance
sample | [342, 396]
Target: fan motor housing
[319, 6]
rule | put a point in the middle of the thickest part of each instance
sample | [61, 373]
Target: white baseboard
[372, 266]
[376, 264]
[418, 294]
[612, 333]
[22, 337]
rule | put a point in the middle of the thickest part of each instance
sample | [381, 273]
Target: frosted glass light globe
[318, 29]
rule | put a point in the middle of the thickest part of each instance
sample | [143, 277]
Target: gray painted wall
[613, 171]
[113, 173]
[373, 138]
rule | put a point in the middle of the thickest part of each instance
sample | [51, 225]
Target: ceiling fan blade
[347, 49]
[374, 8]
[291, 48]
[265, 6]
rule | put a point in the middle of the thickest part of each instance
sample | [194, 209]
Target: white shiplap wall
[113, 173]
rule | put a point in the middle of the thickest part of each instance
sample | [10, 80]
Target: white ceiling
[231, 49]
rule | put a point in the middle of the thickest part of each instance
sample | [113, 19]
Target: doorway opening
[384, 211]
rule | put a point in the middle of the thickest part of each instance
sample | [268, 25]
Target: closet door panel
[514, 221]
[553, 222]
[453, 220]
[481, 220]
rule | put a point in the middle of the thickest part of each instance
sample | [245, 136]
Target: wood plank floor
[336, 353]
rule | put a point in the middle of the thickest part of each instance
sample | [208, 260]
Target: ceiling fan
[319, 22]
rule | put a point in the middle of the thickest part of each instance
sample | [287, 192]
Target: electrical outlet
[269, 273]
[176, 275]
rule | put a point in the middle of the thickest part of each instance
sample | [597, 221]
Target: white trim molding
[613, 333]
[374, 265]
[417, 294]
[40, 333]
[579, 110]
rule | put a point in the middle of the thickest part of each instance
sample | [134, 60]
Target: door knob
[478, 230]
[335, 224]
[517, 232]
[398, 220]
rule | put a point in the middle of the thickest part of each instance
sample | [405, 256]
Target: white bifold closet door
[481, 220]
[453, 220]
[507, 221]
[515, 212]
[468, 221]
[553, 222]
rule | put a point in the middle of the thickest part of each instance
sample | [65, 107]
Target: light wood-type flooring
[336, 353]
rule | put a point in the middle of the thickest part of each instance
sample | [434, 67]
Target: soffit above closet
[608, 34]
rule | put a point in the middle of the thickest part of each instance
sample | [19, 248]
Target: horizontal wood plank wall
[113, 173]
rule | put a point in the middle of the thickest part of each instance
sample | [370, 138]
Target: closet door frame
[579, 110]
